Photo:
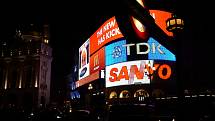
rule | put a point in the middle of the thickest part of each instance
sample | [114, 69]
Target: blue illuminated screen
[159, 52]
[115, 53]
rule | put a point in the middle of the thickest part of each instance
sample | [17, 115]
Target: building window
[140, 93]
[124, 94]
[113, 95]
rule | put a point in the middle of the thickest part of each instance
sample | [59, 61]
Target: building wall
[25, 76]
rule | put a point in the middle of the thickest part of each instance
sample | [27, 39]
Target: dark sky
[73, 22]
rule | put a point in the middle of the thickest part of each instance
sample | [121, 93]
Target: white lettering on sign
[153, 48]
[107, 31]
[109, 25]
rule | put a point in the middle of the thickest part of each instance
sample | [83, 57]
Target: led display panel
[108, 32]
[159, 52]
[128, 73]
[84, 60]
[160, 18]
[115, 53]
[97, 61]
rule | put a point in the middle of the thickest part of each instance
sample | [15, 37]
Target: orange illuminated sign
[88, 79]
[138, 72]
[160, 19]
[97, 61]
[108, 32]
[131, 72]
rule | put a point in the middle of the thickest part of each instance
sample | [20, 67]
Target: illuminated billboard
[108, 32]
[161, 54]
[115, 53]
[127, 73]
[88, 79]
[97, 61]
[160, 18]
[84, 60]
[137, 72]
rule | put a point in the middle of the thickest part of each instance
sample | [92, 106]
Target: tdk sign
[154, 50]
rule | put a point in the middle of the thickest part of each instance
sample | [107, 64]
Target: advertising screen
[159, 52]
[128, 73]
[115, 53]
[84, 60]
[108, 32]
[88, 79]
[97, 61]
[160, 19]
[139, 72]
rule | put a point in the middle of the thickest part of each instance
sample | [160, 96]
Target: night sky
[72, 23]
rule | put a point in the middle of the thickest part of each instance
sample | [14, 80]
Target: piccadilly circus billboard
[84, 60]
[127, 62]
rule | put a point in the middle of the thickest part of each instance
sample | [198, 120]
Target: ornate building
[25, 68]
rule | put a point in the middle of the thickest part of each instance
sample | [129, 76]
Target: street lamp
[150, 71]
[90, 87]
[175, 24]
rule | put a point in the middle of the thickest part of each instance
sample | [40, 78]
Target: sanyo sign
[136, 72]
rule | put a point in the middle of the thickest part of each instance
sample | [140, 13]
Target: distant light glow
[20, 83]
[46, 41]
[139, 25]
[5, 85]
[6, 81]
[141, 3]
[20, 80]
[36, 82]
[70, 110]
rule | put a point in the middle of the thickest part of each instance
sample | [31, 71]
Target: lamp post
[150, 71]
[89, 97]
[175, 24]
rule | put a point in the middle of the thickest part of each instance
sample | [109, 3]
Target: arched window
[113, 95]
[124, 94]
[141, 93]
[157, 93]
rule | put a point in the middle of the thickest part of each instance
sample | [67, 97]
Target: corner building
[25, 69]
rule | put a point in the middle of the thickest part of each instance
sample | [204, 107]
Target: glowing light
[20, 80]
[139, 25]
[90, 87]
[6, 81]
[70, 110]
[20, 83]
[141, 3]
[5, 85]
[36, 83]
[46, 41]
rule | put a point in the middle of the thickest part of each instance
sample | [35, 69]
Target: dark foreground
[191, 109]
